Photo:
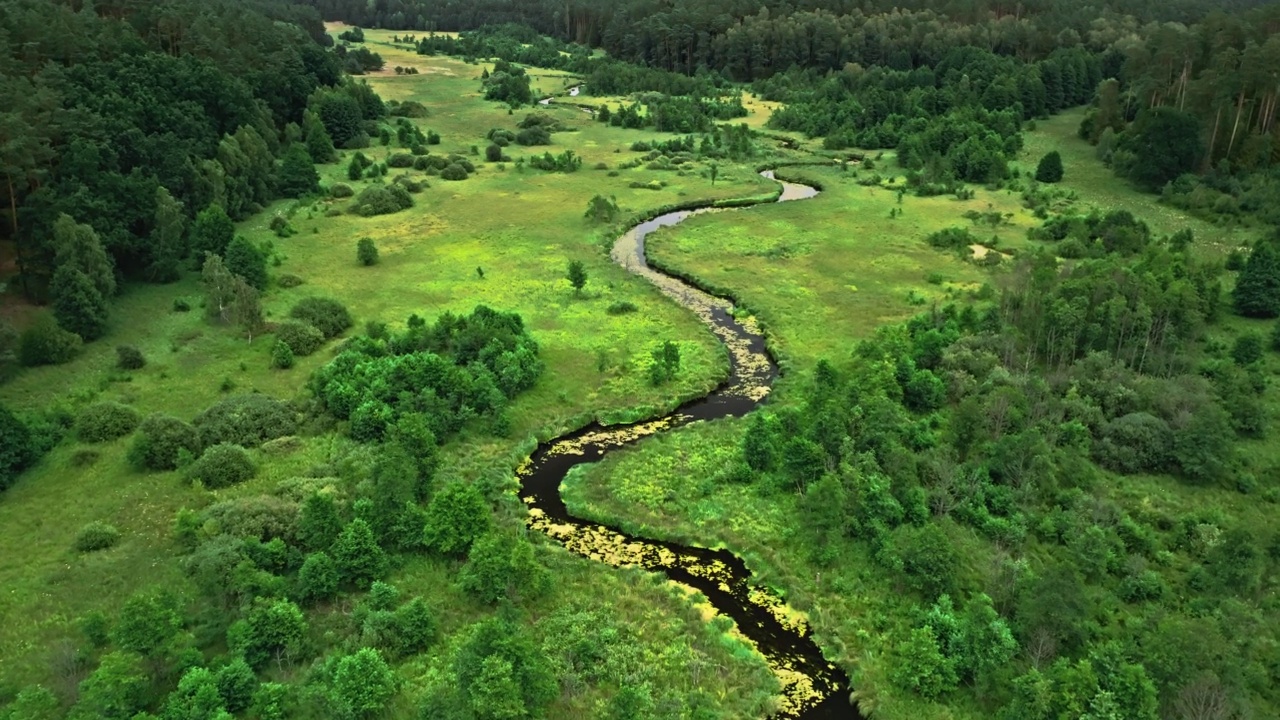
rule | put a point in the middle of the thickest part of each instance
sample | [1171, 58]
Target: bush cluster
[161, 441]
[222, 465]
[246, 420]
[301, 338]
[106, 421]
[97, 535]
[326, 314]
[381, 200]
[129, 357]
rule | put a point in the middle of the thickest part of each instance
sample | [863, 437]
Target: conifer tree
[1257, 291]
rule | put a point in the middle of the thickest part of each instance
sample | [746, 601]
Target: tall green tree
[1160, 145]
[247, 261]
[363, 683]
[212, 231]
[168, 238]
[77, 304]
[319, 144]
[1050, 168]
[298, 176]
[357, 555]
[1257, 291]
[457, 517]
[116, 690]
[77, 245]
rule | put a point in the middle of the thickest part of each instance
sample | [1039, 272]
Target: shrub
[181, 305]
[281, 355]
[952, 237]
[329, 316]
[341, 190]
[621, 307]
[246, 420]
[493, 153]
[366, 252]
[1050, 168]
[106, 421]
[257, 517]
[44, 343]
[247, 261]
[454, 172]
[160, 442]
[381, 200]
[421, 163]
[129, 357]
[96, 535]
[221, 466]
[301, 338]
[533, 136]
[400, 160]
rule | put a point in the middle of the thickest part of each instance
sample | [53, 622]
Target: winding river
[812, 687]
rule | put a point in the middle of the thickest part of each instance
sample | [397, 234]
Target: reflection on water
[812, 688]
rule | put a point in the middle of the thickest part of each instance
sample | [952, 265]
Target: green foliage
[106, 421]
[357, 556]
[1162, 144]
[32, 703]
[602, 209]
[920, 666]
[161, 441]
[237, 684]
[666, 363]
[149, 624]
[78, 247]
[508, 83]
[326, 314]
[282, 355]
[458, 369]
[301, 338]
[457, 517]
[97, 535]
[366, 252]
[272, 701]
[196, 698]
[129, 357]
[319, 523]
[45, 343]
[928, 559]
[245, 420]
[577, 275]
[298, 177]
[1050, 168]
[1247, 349]
[454, 172]
[116, 690]
[317, 578]
[77, 304]
[499, 672]
[17, 452]
[363, 684]
[503, 567]
[212, 231]
[221, 466]
[273, 630]
[245, 260]
[1257, 291]
[383, 199]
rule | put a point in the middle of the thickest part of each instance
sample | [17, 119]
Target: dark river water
[812, 687]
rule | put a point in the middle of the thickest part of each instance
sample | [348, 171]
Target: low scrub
[222, 465]
[246, 420]
[95, 536]
[106, 421]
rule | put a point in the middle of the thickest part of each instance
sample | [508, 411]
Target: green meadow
[503, 238]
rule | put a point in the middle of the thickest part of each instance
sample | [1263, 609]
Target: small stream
[812, 687]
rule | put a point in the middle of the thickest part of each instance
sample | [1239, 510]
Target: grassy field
[823, 272]
[1097, 186]
[521, 228]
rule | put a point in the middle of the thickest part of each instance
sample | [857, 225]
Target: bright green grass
[521, 228]
[1097, 186]
[821, 273]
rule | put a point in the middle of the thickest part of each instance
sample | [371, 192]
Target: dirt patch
[979, 251]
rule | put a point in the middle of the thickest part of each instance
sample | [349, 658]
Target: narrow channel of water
[813, 688]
